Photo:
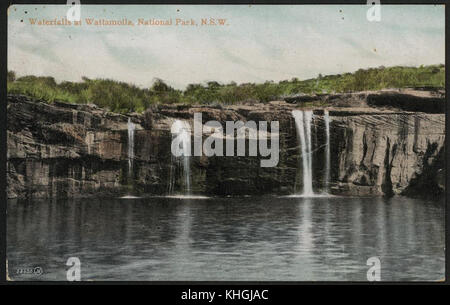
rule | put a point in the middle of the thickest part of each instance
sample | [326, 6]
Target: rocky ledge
[380, 144]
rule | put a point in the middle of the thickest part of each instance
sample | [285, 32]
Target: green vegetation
[122, 97]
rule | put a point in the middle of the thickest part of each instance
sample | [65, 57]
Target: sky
[258, 43]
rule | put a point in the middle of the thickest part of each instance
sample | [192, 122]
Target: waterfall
[181, 152]
[303, 124]
[327, 151]
[131, 128]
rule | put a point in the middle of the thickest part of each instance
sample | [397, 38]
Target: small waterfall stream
[303, 120]
[303, 124]
[181, 154]
[326, 117]
[131, 128]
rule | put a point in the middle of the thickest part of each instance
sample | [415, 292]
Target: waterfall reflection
[256, 238]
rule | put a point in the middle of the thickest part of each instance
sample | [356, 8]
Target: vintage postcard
[225, 143]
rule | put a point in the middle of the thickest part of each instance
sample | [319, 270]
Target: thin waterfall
[308, 119]
[181, 152]
[327, 151]
[303, 125]
[131, 128]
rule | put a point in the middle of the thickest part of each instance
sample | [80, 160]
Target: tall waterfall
[327, 151]
[181, 152]
[131, 128]
[303, 124]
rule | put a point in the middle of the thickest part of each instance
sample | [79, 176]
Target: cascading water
[303, 124]
[181, 152]
[131, 128]
[326, 117]
[303, 120]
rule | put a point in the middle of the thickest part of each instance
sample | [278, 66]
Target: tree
[213, 85]
[192, 88]
[160, 86]
[11, 76]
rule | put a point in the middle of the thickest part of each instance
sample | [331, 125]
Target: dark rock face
[387, 153]
[408, 102]
[418, 99]
[64, 150]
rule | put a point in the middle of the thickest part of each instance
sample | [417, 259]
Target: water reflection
[259, 238]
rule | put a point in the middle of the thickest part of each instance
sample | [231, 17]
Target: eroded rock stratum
[381, 143]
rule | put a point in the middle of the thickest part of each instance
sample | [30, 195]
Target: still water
[227, 239]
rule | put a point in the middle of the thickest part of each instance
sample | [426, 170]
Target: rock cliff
[377, 148]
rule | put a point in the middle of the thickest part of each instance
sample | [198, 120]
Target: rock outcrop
[64, 150]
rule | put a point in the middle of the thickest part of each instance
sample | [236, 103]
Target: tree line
[123, 97]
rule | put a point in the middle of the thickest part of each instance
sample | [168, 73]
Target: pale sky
[259, 42]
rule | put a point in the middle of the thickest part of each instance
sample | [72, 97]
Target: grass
[122, 97]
